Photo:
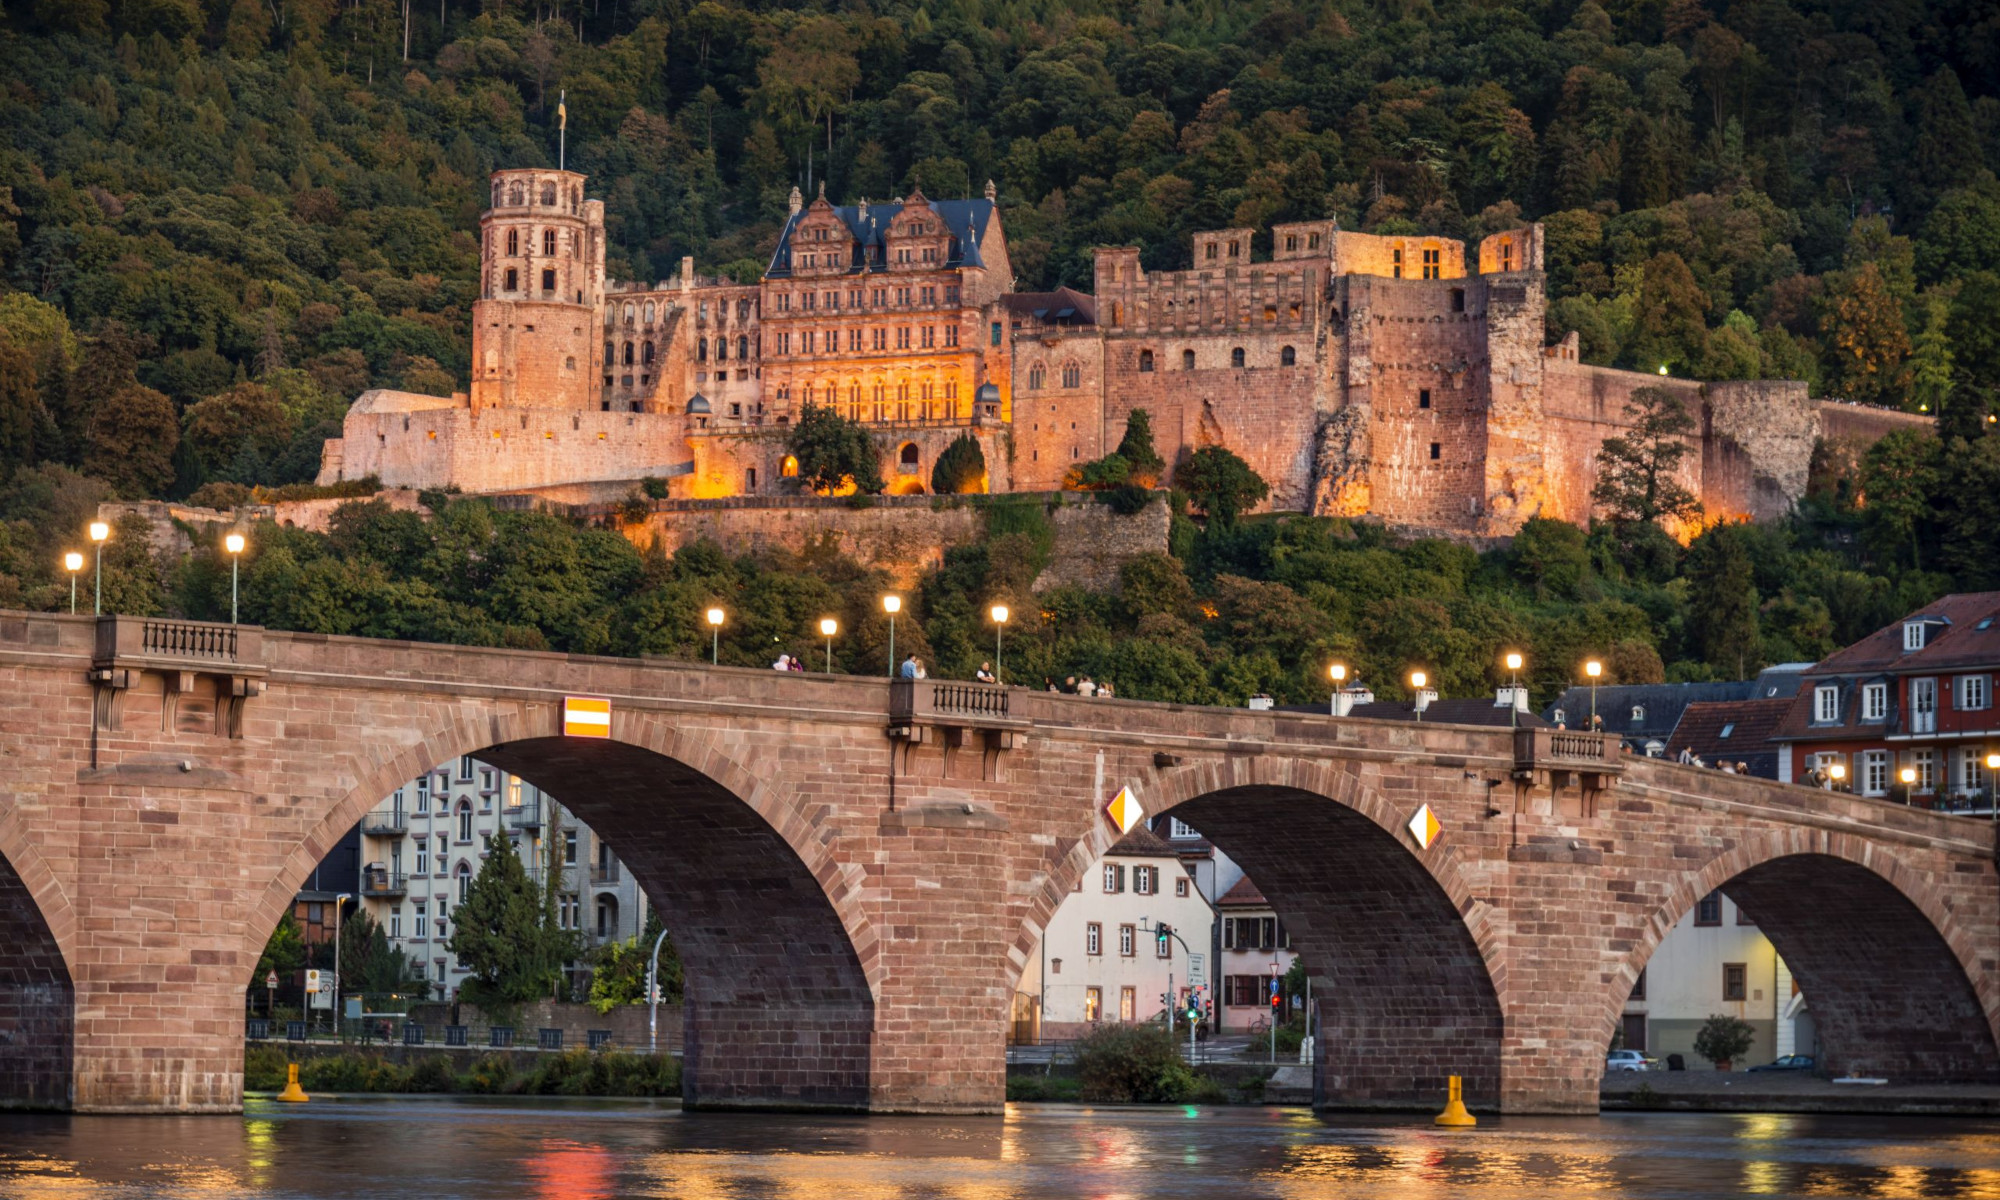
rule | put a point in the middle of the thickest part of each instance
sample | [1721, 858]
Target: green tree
[284, 953]
[1864, 324]
[961, 469]
[131, 441]
[1931, 363]
[1899, 477]
[834, 452]
[1143, 463]
[1722, 601]
[1219, 484]
[1638, 472]
[248, 417]
[500, 932]
[1668, 323]
[1724, 1039]
[618, 969]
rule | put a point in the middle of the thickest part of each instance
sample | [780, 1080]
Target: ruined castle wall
[1583, 405]
[1057, 426]
[1517, 448]
[1397, 257]
[533, 353]
[493, 450]
[1757, 445]
[1839, 420]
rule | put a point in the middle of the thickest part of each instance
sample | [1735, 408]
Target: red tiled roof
[1963, 634]
[1243, 894]
[1748, 725]
[1141, 843]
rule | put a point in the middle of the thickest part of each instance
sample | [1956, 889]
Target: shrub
[490, 1076]
[1132, 1063]
[1724, 1039]
[654, 487]
[433, 1074]
[1057, 1088]
[582, 1073]
[264, 1069]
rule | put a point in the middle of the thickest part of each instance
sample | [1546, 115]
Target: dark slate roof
[966, 220]
[1732, 731]
[1141, 843]
[1480, 711]
[1064, 306]
[1964, 633]
[1663, 703]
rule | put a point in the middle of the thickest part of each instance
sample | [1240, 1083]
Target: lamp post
[827, 628]
[99, 533]
[999, 615]
[339, 901]
[1837, 772]
[1593, 668]
[653, 996]
[1417, 681]
[1993, 787]
[234, 544]
[72, 562]
[1513, 689]
[892, 605]
[715, 616]
[1909, 778]
[1337, 673]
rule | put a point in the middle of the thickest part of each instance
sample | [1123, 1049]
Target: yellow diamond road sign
[1424, 827]
[1124, 810]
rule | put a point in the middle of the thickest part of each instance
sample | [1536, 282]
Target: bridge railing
[201, 645]
[1567, 750]
[946, 700]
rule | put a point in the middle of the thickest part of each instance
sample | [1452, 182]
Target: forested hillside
[222, 219]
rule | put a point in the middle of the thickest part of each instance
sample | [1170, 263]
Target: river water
[406, 1149]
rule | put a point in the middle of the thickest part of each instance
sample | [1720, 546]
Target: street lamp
[999, 615]
[99, 532]
[1513, 689]
[827, 628]
[1993, 786]
[1337, 673]
[892, 605]
[339, 902]
[1417, 681]
[1838, 773]
[1593, 668]
[715, 616]
[72, 562]
[234, 544]
[1909, 777]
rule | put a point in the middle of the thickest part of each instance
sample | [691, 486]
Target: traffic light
[1160, 935]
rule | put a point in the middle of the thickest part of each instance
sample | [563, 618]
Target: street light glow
[1000, 614]
[99, 531]
[233, 543]
[1663, 368]
[1593, 668]
[1909, 774]
[1838, 771]
[1337, 672]
[1513, 662]
[892, 605]
[1418, 679]
[72, 561]
[828, 626]
[715, 616]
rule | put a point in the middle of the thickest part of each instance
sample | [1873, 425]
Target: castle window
[1145, 361]
[569, 364]
[646, 353]
[1236, 357]
[951, 335]
[749, 479]
[649, 312]
[743, 347]
[1507, 255]
[1072, 375]
[1431, 264]
[1187, 360]
[994, 336]
[1423, 397]
[1209, 251]
[1458, 299]
[721, 349]
[908, 456]
[789, 468]
[1232, 250]
[1396, 262]
[1291, 241]
[742, 310]
[1312, 241]
[1288, 357]
[1270, 313]
[549, 242]
[548, 279]
[1436, 449]
[549, 194]
[513, 279]
[516, 196]
[610, 352]
[1036, 377]
[513, 241]
[628, 315]
[700, 350]
[628, 354]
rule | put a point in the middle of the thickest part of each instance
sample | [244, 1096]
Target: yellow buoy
[297, 1095]
[1454, 1115]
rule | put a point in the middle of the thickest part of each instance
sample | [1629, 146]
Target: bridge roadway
[856, 871]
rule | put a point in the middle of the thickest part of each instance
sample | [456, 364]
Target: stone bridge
[857, 871]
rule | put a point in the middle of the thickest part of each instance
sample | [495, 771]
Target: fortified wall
[1400, 377]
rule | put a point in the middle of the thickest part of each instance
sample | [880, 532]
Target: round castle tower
[541, 259]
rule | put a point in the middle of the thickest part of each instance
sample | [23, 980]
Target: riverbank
[1786, 1092]
[401, 1070]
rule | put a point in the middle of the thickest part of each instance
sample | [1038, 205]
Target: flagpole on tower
[562, 130]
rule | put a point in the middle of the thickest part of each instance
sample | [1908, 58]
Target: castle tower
[541, 259]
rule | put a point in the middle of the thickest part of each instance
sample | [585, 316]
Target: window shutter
[1121, 878]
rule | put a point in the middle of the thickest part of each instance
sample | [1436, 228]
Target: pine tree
[1136, 448]
[961, 469]
[498, 932]
[1636, 480]
[1931, 362]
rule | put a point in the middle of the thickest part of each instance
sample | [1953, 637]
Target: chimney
[1346, 698]
[1516, 696]
[1424, 698]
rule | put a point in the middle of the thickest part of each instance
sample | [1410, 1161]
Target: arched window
[628, 314]
[1145, 360]
[1072, 375]
[909, 456]
[649, 312]
[607, 917]
[721, 349]
[1236, 357]
[742, 347]
[646, 353]
[1187, 360]
[465, 820]
[464, 877]
[742, 310]
[628, 354]
[1036, 377]
[549, 242]
[701, 350]
[789, 468]
[513, 241]
[516, 195]
[1638, 714]
[496, 193]
[549, 194]
[1288, 357]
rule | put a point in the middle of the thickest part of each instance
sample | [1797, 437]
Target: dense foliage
[220, 220]
[570, 1073]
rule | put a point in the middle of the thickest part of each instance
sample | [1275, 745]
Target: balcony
[384, 884]
[180, 653]
[525, 816]
[948, 702]
[604, 876]
[1562, 758]
[385, 824]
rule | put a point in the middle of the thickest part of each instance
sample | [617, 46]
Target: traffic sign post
[270, 995]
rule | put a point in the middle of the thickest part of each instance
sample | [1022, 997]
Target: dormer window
[1913, 635]
[1826, 703]
[1638, 714]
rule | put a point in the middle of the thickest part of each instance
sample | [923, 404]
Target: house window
[1126, 941]
[1874, 772]
[1638, 714]
[1177, 828]
[1733, 976]
[1874, 701]
[1971, 770]
[421, 921]
[1163, 947]
[396, 922]
[1128, 1003]
[1639, 985]
[464, 821]
[1972, 692]
[1093, 1004]
[1925, 763]
[1093, 938]
[1181, 888]
[1826, 703]
[1913, 635]
[569, 847]
[1114, 878]
[1708, 910]
[464, 881]
[465, 768]
[1145, 880]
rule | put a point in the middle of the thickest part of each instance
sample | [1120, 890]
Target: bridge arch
[37, 996]
[1885, 964]
[782, 960]
[1413, 959]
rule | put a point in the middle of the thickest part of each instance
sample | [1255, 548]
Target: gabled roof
[1955, 639]
[1141, 843]
[965, 220]
[1243, 894]
[1064, 306]
[1732, 731]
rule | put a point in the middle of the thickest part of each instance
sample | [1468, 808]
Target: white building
[1716, 962]
[1255, 950]
[1101, 958]
[424, 843]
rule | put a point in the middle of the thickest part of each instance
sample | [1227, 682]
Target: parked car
[1628, 1060]
[1789, 1062]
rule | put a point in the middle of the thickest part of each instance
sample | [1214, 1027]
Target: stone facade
[1398, 377]
[856, 871]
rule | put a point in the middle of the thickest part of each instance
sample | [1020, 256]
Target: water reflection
[593, 1150]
